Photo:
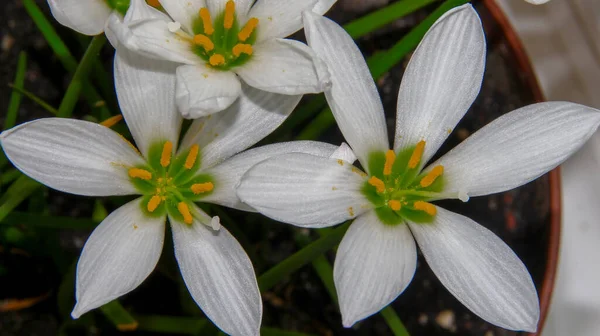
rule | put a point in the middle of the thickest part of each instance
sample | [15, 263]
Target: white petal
[344, 152]
[537, 2]
[353, 97]
[441, 81]
[251, 118]
[227, 175]
[146, 92]
[87, 17]
[374, 263]
[286, 67]
[279, 18]
[323, 6]
[219, 276]
[305, 190]
[73, 156]
[152, 38]
[121, 252]
[242, 7]
[518, 147]
[480, 270]
[202, 90]
[184, 12]
[117, 27]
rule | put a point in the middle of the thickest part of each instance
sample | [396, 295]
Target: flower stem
[15, 97]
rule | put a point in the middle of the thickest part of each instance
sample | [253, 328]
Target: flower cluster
[226, 64]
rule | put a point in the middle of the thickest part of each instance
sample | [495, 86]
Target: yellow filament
[204, 42]
[240, 48]
[229, 12]
[184, 210]
[206, 21]
[390, 157]
[154, 203]
[248, 29]
[165, 157]
[192, 156]
[415, 158]
[394, 205]
[112, 121]
[428, 208]
[140, 173]
[377, 183]
[200, 188]
[216, 60]
[428, 180]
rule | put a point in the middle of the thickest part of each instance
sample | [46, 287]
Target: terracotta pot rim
[516, 46]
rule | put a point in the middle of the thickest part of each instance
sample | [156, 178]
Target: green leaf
[15, 97]
[119, 316]
[35, 99]
[16, 193]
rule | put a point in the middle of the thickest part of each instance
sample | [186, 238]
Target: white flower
[537, 2]
[85, 158]
[392, 201]
[218, 42]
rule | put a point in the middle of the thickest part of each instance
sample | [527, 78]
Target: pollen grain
[154, 203]
[140, 173]
[200, 188]
[248, 29]
[426, 207]
[165, 157]
[192, 156]
[416, 156]
[206, 21]
[390, 158]
[428, 180]
[229, 14]
[377, 183]
[184, 210]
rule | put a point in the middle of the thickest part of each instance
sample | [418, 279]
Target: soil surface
[34, 262]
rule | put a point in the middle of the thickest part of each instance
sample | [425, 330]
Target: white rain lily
[220, 44]
[89, 159]
[537, 2]
[391, 201]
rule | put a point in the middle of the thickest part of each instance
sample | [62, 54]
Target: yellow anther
[153, 3]
[200, 188]
[239, 49]
[428, 208]
[415, 158]
[154, 203]
[204, 42]
[192, 156]
[428, 180]
[394, 205]
[112, 121]
[206, 21]
[390, 157]
[248, 29]
[216, 60]
[140, 173]
[377, 183]
[184, 210]
[165, 157]
[229, 14]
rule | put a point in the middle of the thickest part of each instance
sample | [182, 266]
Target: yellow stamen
[200, 188]
[216, 60]
[428, 208]
[377, 183]
[415, 158]
[140, 173]
[192, 156]
[428, 180]
[153, 3]
[112, 121]
[229, 12]
[128, 326]
[165, 157]
[248, 29]
[154, 203]
[184, 210]
[390, 157]
[206, 21]
[395, 205]
[239, 49]
[204, 42]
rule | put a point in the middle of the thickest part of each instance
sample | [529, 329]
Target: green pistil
[120, 6]
[166, 181]
[399, 190]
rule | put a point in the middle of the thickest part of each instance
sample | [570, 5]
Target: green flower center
[398, 188]
[222, 43]
[120, 6]
[170, 185]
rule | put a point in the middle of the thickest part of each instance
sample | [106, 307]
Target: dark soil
[33, 262]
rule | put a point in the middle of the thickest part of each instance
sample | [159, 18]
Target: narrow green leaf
[15, 97]
[16, 193]
[172, 325]
[119, 316]
[48, 222]
[71, 97]
[35, 99]
[9, 176]
[301, 258]
[393, 321]
[266, 331]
